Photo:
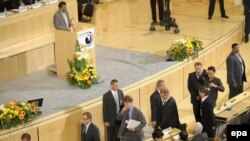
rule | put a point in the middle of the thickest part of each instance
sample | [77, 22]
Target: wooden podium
[65, 46]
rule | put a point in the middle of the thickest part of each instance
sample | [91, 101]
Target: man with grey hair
[198, 135]
[156, 104]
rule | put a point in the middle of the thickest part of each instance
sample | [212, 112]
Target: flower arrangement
[17, 113]
[81, 72]
[185, 48]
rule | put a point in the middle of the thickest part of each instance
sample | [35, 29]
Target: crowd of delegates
[203, 86]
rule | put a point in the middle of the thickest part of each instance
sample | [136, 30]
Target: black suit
[194, 83]
[235, 74]
[160, 8]
[169, 115]
[246, 4]
[207, 117]
[92, 134]
[110, 113]
[156, 105]
[212, 5]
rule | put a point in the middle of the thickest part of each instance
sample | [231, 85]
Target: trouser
[235, 91]
[112, 133]
[160, 8]
[210, 132]
[3, 5]
[131, 136]
[247, 24]
[196, 110]
[212, 5]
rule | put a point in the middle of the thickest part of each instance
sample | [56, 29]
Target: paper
[167, 130]
[148, 129]
[133, 124]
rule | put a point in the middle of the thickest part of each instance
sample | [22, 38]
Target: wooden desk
[174, 132]
[27, 40]
[240, 103]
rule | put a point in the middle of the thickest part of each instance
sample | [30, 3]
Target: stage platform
[128, 51]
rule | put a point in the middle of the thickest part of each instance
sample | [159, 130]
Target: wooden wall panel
[9, 69]
[35, 60]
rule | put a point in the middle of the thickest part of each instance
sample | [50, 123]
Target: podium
[66, 43]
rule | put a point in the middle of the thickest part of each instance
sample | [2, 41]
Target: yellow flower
[16, 113]
[79, 77]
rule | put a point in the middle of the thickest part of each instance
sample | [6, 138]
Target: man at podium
[61, 18]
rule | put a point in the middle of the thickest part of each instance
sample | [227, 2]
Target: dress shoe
[224, 16]
[209, 18]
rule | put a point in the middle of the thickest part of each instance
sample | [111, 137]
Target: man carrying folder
[130, 115]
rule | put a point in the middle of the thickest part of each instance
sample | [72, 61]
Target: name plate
[36, 5]
[2, 15]
[52, 1]
[22, 9]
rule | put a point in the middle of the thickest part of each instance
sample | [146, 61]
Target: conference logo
[86, 38]
[238, 132]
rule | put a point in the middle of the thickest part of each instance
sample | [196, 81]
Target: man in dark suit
[89, 130]
[130, 112]
[61, 18]
[169, 113]
[160, 8]
[214, 84]
[207, 112]
[211, 9]
[112, 104]
[235, 71]
[246, 4]
[195, 80]
[156, 103]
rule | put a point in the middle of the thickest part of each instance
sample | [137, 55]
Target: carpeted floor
[126, 66]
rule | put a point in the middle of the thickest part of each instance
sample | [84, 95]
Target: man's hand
[131, 129]
[212, 85]
[124, 109]
[198, 98]
[106, 124]
[235, 85]
[159, 127]
[213, 127]
[153, 123]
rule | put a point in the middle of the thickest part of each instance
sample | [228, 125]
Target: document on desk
[133, 124]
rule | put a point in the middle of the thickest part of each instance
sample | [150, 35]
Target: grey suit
[235, 74]
[59, 22]
[124, 134]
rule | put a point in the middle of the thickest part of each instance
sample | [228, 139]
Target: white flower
[22, 103]
[2, 107]
[182, 41]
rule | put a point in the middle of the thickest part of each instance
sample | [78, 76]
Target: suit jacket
[92, 134]
[200, 137]
[207, 114]
[234, 70]
[109, 106]
[169, 115]
[156, 105]
[213, 92]
[246, 4]
[194, 83]
[136, 115]
[59, 22]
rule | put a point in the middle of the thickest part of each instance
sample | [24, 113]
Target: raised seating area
[125, 30]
